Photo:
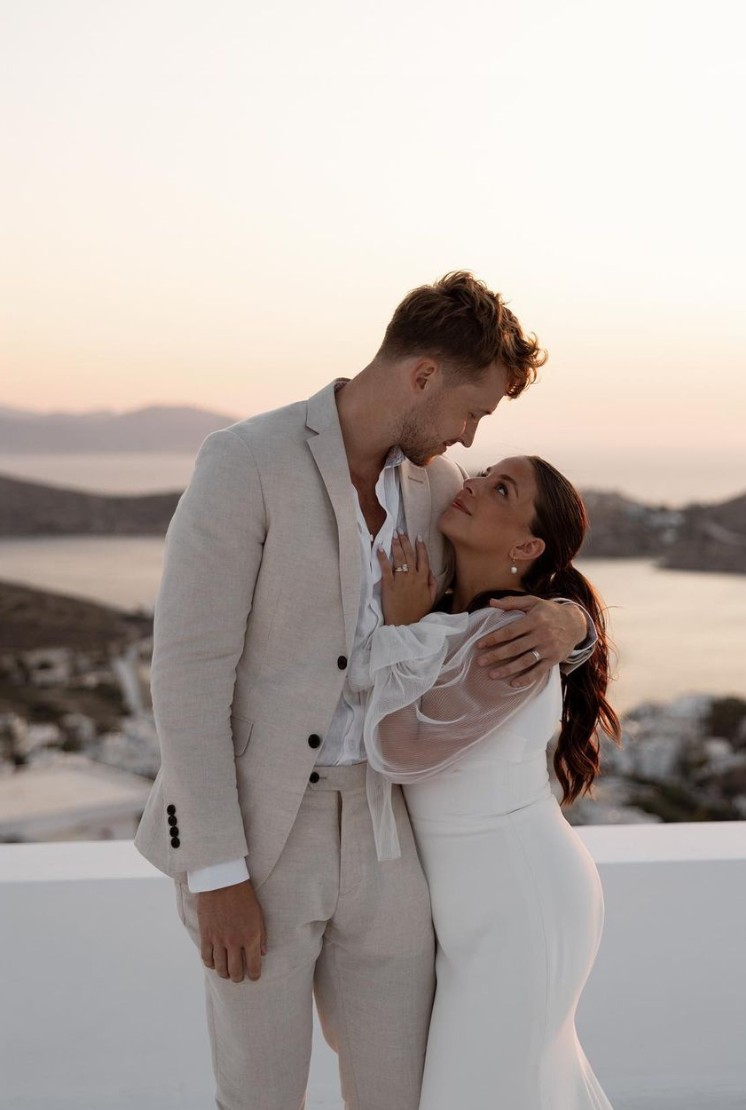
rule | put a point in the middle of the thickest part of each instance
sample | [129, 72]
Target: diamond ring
[402, 569]
[536, 655]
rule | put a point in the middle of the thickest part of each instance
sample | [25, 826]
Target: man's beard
[418, 437]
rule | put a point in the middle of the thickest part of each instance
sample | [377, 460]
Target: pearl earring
[514, 569]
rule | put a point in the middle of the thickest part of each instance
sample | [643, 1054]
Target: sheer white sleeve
[429, 701]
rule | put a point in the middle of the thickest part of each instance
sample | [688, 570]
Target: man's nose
[467, 437]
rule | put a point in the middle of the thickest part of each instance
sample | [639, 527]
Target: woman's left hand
[408, 586]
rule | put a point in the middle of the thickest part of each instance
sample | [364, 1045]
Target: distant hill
[33, 509]
[164, 428]
[32, 619]
[697, 537]
[711, 537]
[623, 528]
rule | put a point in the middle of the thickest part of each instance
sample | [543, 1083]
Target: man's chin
[422, 458]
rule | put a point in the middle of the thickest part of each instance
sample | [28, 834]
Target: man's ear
[423, 374]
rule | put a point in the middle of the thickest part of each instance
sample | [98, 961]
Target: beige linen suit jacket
[254, 624]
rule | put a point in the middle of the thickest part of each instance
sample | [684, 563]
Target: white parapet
[102, 1005]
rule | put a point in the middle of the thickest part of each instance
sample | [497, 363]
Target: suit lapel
[418, 512]
[328, 450]
[415, 491]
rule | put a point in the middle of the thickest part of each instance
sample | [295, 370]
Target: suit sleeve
[213, 552]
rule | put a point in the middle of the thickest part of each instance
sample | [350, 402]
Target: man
[271, 585]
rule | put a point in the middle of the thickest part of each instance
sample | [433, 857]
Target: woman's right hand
[406, 595]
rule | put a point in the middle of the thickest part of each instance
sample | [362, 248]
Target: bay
[675, 632]
[118, 472]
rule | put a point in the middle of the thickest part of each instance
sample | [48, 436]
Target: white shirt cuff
[218, 875]
[591, 638]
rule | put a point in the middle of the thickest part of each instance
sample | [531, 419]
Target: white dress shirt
[343, 743]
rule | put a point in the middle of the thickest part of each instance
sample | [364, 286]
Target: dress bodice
[504, 772]
[438, 724]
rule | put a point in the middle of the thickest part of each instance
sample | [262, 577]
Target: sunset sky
[222, 203]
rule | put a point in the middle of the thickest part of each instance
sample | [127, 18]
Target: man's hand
[549, 628]
[408, 586]
[231, 927]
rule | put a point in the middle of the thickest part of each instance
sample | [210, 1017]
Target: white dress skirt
[516, 897]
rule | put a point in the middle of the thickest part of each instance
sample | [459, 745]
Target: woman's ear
[529, 549]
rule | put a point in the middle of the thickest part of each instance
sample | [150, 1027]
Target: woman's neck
[475, 577]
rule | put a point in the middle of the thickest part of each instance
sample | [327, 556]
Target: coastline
[74, 685]
[708, 538]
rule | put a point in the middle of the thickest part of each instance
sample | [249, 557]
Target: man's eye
[482, 474]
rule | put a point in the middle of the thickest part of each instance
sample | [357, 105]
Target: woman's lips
[460, 505]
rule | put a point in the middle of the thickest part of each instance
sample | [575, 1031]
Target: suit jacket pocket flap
[241, 728]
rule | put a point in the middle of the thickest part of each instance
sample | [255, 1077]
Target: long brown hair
[560, 519]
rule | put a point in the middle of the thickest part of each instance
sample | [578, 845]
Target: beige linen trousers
[254, 625]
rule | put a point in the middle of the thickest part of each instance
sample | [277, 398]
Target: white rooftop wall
[102, 1005]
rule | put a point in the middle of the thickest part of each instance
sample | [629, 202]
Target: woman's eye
[502, 486]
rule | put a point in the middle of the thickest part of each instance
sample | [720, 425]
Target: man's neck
[367, 437]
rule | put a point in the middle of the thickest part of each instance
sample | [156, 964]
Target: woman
[516, 897]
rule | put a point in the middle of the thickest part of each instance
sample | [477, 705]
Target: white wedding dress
[516, 897]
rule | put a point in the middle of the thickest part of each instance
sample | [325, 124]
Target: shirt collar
[395, 457]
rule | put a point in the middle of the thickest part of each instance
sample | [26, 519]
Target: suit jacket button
[174, 833]
[170, 809]
[342, 662]
[314, 776]
[171, 819]
[314, 741]
[175, 842]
